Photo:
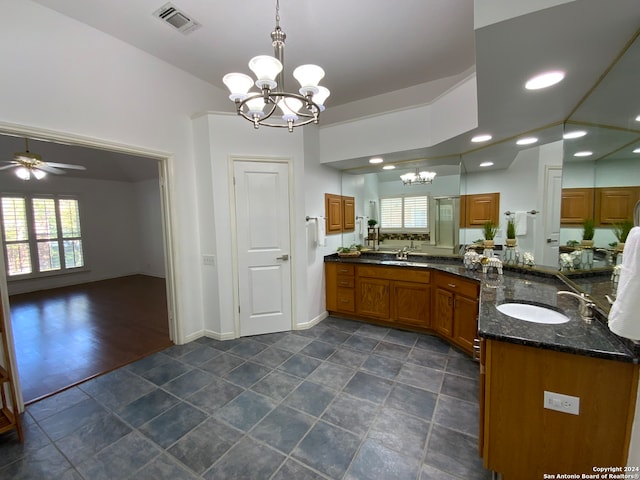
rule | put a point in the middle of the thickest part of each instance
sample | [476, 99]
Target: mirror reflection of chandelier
[296, 109]
[418, 178]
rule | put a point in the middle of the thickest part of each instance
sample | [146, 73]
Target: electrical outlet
[209, 260]
[562, 403]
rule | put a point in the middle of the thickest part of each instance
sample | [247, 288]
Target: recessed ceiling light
[638, 118]
[585, 153]
[544, 80]
[388, 167]
[481, 138]
[527, 141]
[574, 134]
[376, 160]
[486, 164]
[637, 150]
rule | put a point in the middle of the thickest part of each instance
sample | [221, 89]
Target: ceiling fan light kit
[30, 165]
[297, 109]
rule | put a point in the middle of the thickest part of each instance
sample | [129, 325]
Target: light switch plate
[562, 403]
[209, 260]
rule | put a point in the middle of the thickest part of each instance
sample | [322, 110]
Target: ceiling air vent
[178, 19]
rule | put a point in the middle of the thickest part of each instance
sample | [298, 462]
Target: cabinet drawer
[458, 285]
[392, 273]
[345, 269]
[345, 281]
[346, 300]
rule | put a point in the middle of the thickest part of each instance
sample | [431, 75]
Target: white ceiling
[373, 48]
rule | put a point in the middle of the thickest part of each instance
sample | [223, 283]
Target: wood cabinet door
[333, 212]
[481, 208]
[411, 303]
[615, 204]
[443, 312]
[372, 297]
[465, 322]
[576, 205]
[348, 213]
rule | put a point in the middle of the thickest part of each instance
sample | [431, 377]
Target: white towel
[360, 226]
[321, 234]
[521, 223]
[624, 317]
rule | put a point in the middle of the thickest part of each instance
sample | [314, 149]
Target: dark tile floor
[343, 400]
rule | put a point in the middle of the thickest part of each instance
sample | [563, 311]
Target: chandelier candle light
[259, 107]
[417, 178]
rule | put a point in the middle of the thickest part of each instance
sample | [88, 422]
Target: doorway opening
[120, 306]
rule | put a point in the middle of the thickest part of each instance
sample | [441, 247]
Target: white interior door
[551, 215]
[263, 245]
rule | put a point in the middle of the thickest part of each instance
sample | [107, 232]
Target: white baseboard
[312, 322]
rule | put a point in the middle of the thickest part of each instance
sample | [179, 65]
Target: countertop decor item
[489, 230]
[588, 231]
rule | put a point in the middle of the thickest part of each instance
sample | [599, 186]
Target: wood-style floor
[67, 335]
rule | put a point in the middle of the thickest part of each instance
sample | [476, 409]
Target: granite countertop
[524, 286]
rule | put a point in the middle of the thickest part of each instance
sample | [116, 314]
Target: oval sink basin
[404, 263]
[532, 313]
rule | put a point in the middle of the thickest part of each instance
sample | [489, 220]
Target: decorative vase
[489, 244]
[511, 242]
[620, 246]
[587, 243]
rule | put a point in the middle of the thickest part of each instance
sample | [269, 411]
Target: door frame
[167, 206]
[235, 274]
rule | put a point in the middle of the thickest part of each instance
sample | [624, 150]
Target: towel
[521, 223]
[360, 226]
[624, 317]
[321, 234]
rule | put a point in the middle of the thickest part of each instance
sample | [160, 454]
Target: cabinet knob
[452, 285]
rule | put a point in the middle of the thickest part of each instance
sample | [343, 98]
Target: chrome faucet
[585, 308]
[402, 253]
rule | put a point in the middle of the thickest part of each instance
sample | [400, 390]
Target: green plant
[511, 228]
[588, 229]
[489, 230]
[621, 230]
[372, 222]
[572, 243]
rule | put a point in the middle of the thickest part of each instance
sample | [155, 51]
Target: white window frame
[403, 228]
[32, 239]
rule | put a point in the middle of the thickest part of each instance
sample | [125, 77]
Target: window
[41, 234]
[404, 213]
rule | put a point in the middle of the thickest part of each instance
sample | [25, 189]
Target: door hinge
[238, 309]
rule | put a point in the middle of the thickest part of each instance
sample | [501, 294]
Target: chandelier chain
[277, 13]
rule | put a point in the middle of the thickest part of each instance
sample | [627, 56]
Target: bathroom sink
[532, 313]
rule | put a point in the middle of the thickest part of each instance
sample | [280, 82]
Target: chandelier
[272, 106]
[417, 178]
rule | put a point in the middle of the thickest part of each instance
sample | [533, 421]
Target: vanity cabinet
[576, 205]
[521, 439]
[478, 209]
[340, 287]
[455, 314]
[418, 299]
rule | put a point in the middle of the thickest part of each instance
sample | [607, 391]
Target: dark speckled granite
[575, 336]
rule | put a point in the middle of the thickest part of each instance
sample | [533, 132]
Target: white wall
[114, 219]
[68, 77]
[149, 221]
[218, 138]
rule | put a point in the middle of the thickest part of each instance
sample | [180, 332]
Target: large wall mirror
[369, 186]
[602, 156]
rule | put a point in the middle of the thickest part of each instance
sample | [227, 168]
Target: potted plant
[372, 222]
[588, 231]
[511, 232]
[621, 231]
[489, 230]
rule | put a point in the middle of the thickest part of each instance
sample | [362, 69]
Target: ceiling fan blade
[12, 165]
[66, 165]
[49, 169]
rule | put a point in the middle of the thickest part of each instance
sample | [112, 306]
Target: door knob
[283, 257]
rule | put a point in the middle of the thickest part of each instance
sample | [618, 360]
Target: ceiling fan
[29, 164]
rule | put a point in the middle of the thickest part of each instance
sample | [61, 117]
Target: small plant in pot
[588, 231]
[511, 232]
[372, 222]
[489, 230]
[621, 231]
